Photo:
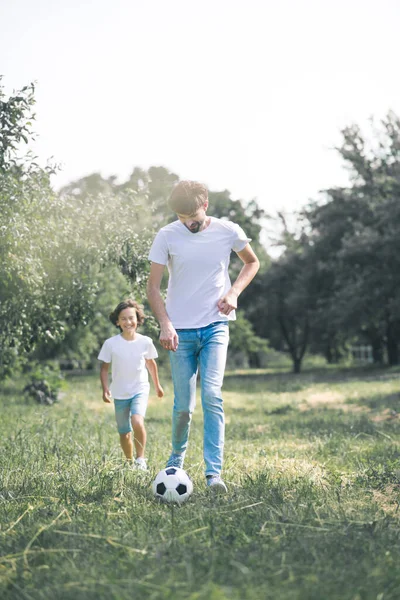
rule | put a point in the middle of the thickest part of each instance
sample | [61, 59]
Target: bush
[45, 384]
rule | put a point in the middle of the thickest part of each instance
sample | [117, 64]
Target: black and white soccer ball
[172, 485]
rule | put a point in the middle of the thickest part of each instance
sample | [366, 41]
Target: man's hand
[160, 391]
[107, 396]
[169, 338]
[228, 303]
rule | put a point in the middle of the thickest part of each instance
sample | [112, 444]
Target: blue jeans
[206, 348]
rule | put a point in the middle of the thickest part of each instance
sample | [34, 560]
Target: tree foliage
[152, 188]
[53, 246]
[343, 280]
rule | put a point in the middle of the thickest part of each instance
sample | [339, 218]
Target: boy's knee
[125, 436]
[137, 421]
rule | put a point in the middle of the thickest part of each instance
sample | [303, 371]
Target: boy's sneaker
[215, 483]
[175, 460]
[140, 463]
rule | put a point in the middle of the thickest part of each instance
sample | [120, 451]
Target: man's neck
[205, 223]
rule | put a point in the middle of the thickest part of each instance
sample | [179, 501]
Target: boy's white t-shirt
[198, 270]
[128, 367]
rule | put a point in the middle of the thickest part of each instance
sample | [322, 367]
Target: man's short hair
[187, 197]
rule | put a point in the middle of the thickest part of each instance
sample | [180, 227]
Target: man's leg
[213, 353]
[184, 375]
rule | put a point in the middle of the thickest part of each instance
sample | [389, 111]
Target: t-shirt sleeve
[239, 238]
[159, 249]
[151, 351]
[105, 352]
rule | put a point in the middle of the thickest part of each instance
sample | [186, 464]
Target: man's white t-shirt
[128, 367]
[198, 270]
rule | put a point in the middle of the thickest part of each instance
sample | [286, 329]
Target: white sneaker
[140, 463]
[216, 484]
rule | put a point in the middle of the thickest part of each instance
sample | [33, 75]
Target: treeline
[66, 258]
[337, 281]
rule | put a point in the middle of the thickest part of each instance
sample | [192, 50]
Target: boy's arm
[104, 382]
[168, 335]
[153, 370]
[250, 267]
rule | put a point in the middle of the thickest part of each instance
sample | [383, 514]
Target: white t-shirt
[128, 367]
[198, 269]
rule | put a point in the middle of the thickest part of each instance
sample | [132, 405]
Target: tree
[243, 342]
[151, 189]
[285, 294]
[355, 236]
[52, 246]
[16, 118]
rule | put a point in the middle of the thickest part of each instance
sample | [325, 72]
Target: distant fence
[362, 354]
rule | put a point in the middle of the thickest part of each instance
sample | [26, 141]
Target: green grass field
[313, 467]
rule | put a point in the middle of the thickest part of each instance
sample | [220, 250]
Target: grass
[313, 467]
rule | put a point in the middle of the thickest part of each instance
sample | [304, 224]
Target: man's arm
[168, 335]
[250, 267]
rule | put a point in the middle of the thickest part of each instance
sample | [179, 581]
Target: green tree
[16, 118]
[290, 299]
[52, 247]
[355, 236]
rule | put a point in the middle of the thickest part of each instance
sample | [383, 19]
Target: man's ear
[205, 205]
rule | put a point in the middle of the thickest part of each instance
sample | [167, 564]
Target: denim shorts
[124, 409]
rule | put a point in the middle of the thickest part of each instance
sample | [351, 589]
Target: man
[194, 320]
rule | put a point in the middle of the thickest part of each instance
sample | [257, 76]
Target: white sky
[245, 95]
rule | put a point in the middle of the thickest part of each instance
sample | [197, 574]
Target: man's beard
[195, 227]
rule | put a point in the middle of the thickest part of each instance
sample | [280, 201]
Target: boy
[131, 355]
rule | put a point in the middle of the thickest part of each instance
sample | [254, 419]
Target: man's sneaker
[140, 463]
[175, 460]
[215, 483]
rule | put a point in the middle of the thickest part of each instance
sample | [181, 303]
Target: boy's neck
[129, 336]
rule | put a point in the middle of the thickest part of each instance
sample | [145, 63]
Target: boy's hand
[107, 396]
[160, 392]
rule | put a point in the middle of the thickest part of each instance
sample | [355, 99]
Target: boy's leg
[138, 409]
[126, 444]
[139, 435]
[184, 375]
[122, 417]
[213, 353]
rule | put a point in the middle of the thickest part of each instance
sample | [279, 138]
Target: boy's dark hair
[187, 197]
[128, 303]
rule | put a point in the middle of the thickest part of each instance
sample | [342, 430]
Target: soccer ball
[172, 485]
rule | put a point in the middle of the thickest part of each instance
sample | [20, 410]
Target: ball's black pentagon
[181, 489]
[161, 489]
[170, 471]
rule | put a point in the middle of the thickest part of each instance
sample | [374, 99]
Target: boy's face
[194, 222]
[127, 319]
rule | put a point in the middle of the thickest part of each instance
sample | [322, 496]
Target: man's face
[194, 222]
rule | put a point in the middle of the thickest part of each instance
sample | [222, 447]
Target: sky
[247, 95]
